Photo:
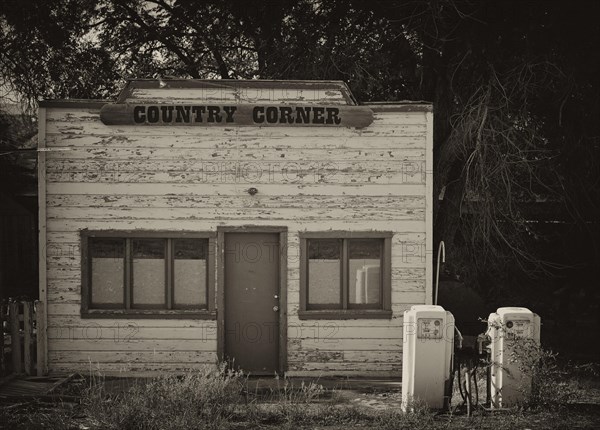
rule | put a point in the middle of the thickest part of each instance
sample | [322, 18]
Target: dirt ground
[365, 404]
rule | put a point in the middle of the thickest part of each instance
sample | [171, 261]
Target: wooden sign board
[260, 115]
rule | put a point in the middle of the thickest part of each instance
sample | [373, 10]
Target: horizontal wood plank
[231, 155]
[301, 189]
[298, 358]
[413, 139]
[407, 213]
[74, 320]
[139, 357]
[334, 332]
[408, 164]
[394, 344]
[123, 370]
[130, 332]
[336, 368]
[132, 345]
[91, 124]
[254, 179]
[242, 201]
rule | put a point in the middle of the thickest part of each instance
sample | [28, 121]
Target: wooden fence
[23, 349]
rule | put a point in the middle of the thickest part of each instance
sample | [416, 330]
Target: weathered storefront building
[278, 224]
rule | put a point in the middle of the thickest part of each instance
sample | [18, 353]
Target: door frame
[220, 261]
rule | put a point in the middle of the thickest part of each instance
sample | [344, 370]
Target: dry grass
[216, 398]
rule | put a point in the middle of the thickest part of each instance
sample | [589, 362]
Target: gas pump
[428, 335]
[508, 384]
[431, 358]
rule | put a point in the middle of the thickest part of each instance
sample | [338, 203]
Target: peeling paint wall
[196, 178]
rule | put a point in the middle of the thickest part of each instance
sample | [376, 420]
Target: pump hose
[460, 387]
[475, 383]
[470, 391]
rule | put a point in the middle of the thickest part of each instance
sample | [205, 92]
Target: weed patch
[549, 387]
[201, 398]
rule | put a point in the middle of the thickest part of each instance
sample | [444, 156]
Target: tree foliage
[47, 50]
[515, 87]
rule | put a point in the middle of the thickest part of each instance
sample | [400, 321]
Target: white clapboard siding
[182, 178]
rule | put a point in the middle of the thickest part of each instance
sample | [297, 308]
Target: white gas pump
[428, 345]
[508, 383]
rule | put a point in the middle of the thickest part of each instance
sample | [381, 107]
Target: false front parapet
[237, 102]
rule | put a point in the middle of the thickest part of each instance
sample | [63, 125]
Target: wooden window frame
[128, 311]
[347, 311]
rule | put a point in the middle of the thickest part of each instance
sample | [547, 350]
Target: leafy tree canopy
[515, 87]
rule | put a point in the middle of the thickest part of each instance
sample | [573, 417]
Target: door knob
[275, 308]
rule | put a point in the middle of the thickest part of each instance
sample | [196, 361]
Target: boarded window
[107, 261]
[149, 273]
[324, 272]
[190, 272]
[138, 274]
[345, 276]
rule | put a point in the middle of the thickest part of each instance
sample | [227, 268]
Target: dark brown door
[252, 301]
